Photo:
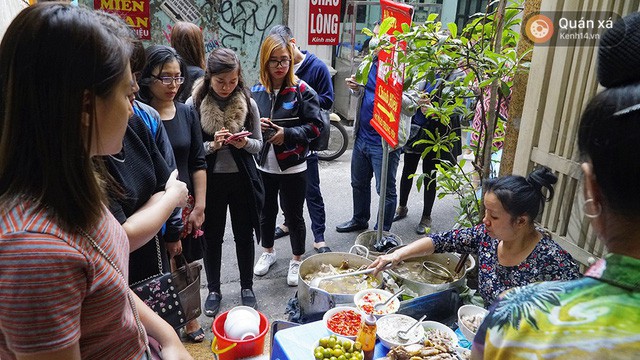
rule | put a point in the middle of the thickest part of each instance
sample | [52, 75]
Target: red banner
[134, 12]
[390, 78]
[324, 22]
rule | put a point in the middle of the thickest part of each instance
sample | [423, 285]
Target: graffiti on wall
[240, 25]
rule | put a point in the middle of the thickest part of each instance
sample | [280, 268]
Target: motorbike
[338, 140]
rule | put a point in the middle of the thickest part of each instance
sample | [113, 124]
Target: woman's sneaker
[264, 263]
[292, 275]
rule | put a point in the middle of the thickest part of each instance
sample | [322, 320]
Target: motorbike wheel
[338, 142]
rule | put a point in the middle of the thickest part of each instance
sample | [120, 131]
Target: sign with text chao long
[324, 22]
[390, 78]
[134, 12]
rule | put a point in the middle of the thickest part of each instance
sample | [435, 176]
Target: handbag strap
[159, 258]
[141, 332]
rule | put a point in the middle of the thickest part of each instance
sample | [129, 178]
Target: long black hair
[220, 61]
[158, 56]
[523, 196]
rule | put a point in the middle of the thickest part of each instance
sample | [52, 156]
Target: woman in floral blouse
[511, 250]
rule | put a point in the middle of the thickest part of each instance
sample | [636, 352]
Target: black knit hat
[619, 53]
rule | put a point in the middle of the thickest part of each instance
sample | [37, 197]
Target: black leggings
[429, 188]
[292, 189]
[232, 190]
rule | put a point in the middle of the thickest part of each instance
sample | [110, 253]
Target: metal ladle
[316, 281]
[438, 271]
[404, 334]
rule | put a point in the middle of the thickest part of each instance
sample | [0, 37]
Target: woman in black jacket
[231, 134]
[290, 119]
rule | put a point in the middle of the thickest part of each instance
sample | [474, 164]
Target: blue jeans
[315, 202]
[366, 162]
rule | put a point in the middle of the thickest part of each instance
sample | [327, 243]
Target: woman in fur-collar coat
[231, 135]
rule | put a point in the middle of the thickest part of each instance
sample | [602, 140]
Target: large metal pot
[313, 300]
[448, 260]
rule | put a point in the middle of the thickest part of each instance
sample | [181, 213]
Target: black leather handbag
[174, 296]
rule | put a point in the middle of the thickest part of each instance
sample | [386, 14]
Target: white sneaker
[264, 263]
[292, 276]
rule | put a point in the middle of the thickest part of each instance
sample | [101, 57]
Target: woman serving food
[511, 250]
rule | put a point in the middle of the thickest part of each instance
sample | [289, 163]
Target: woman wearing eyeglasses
[290, 119]
[160, 83]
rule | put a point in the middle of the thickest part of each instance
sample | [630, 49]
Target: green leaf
[453, 29]
[386, 24]
[363, 71]
[432, 17]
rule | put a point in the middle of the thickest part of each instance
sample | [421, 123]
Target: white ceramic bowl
[365, 299]
[242, 322]
[444, 330]
[389, 325]
[340, 338]
[353, 326]
[467, 312]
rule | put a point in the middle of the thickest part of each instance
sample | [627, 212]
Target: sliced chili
[346, 322]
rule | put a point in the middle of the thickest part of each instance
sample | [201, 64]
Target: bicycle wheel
[338, 143]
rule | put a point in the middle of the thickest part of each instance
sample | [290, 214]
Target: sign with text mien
[387, 105]
[324, 22]
[134, 12]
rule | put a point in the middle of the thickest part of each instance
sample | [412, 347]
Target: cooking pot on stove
[446, 260]
[314, 300]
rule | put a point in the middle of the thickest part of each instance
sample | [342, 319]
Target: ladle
[437, 270]
[382, 305]
[316, 281]
[404, 334]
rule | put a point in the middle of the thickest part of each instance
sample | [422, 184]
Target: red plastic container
[230, 349]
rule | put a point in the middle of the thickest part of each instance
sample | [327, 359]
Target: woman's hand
[382, 261]
[424, 102]
[218, 139]
[239, 143]
[177, 188]
[174, 248]
[278, 138]
[195, 220]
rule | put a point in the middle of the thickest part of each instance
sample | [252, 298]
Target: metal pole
[383, 189]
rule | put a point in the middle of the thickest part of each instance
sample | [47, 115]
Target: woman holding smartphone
[290, 119]
[231, 134]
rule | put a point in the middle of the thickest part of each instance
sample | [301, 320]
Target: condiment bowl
[366, 299]
[389, 325]
[343, 321]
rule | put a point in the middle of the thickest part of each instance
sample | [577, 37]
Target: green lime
[319, 355]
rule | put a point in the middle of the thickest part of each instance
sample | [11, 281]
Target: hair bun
[542, 177]
[619, 53]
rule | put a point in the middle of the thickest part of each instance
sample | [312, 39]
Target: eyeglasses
[168, 80]
[276, 63]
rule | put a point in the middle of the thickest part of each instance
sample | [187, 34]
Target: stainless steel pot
[448, 260]
[314, 300]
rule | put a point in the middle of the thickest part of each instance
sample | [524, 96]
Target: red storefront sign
[134, 12]
[390, 78]
[324, 22]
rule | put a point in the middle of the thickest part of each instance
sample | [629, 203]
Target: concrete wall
[237, 24]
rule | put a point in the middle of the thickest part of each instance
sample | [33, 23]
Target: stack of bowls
[242, 323]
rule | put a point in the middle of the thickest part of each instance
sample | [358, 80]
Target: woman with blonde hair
[188, 41]
[290, 119]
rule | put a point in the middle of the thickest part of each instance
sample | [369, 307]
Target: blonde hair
[271, 43]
